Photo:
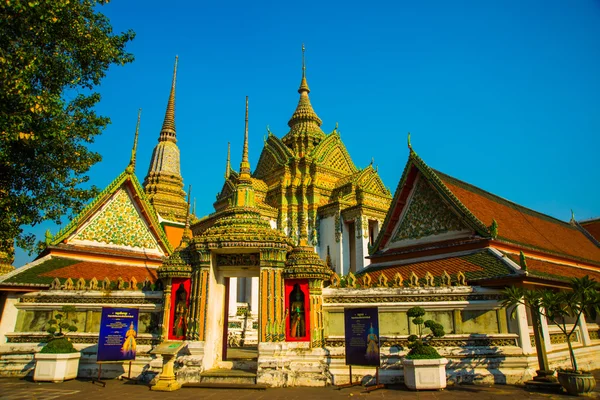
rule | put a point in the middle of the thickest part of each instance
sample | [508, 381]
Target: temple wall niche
[475, 321]
[327, 238]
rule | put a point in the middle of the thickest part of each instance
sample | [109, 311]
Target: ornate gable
[331, 153]
[392, 228]
[371, 182]
[274, 154]
[118, 223]
[426, 215]
[120, 216]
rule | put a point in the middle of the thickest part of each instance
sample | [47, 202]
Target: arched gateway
[241, 244]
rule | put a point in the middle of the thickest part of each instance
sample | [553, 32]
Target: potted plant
[58, 360]
[424, 368]
[557, 306]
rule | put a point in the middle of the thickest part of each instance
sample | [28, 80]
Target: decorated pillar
[199, 297]
[271, 292]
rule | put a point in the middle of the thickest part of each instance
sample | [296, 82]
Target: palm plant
[558, 306]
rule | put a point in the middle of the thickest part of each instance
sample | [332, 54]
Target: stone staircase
[238, 372]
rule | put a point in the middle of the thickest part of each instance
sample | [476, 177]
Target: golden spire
[168, 129]
[245, 164]
[131, 167]
[303, 83]
[305, 126]
[244, 192]
[228, 166]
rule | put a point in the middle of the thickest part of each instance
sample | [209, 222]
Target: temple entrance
[240, 313]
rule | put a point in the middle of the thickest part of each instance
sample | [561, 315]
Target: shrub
[59, 326]
[59, 346]
[419, 345]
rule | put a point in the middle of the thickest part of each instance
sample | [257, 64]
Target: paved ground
[17, 389]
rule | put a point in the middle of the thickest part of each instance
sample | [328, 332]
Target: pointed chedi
[164, 184]
[244, 195]
[305, 126]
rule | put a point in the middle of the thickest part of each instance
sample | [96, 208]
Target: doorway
[240, 318]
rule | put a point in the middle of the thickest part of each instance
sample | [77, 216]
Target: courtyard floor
[22, 389]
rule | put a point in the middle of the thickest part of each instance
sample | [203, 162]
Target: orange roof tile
[561, 272]
[88, 270]
[523, 226]
[593, 227]
[479, 265]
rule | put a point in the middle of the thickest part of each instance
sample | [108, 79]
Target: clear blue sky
[504, 95]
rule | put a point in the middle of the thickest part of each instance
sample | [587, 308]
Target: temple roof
[592, 226]
[43, 271]
[305, 126]
[122, 203]
[554, 271]
[477, 209]
[480, 264]
[523, 226]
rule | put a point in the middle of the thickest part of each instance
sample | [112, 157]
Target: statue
[297, 317]
[181, 310]
[129, 344]
[372, 345]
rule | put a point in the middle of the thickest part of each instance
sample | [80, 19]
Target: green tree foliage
[52, 54]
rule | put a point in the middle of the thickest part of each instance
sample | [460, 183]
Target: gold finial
[228, 166]
[131, 167]
[303, 83]
[303, 61]
[245, 165]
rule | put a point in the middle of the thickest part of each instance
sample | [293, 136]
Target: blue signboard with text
[361, 328]
[118, 333]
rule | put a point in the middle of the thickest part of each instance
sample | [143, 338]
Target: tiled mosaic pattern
[119, 223]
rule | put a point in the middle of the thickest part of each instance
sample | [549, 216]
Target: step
[228, 376]
[246, 365]
[257, 386]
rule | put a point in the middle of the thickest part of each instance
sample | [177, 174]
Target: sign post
[361, 329]
[167, 381]
[117, 338]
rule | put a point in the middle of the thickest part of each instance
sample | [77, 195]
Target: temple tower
[164, 184]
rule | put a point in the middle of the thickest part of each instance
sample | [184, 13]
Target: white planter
[56, 367]
[425, 374]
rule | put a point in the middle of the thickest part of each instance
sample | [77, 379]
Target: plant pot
[425, 374]
[576, 383]
[56, 367]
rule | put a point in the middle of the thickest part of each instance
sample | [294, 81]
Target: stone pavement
[19, 389]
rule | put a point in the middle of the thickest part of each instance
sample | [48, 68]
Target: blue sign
[118, 332]
[361, 328]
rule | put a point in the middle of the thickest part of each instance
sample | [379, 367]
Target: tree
[52, 54]
[558, 306]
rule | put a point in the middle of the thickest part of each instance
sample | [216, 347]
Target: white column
[583, 330]
[254, 296]
[546, 333]
[523, 330]
[233, 290]
[9, 316]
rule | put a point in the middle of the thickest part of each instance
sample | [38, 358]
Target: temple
[260, 285]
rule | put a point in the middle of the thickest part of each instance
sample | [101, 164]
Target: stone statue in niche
[181, 310]
[297, 314]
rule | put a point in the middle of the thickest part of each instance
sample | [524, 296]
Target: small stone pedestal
[166, 380]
